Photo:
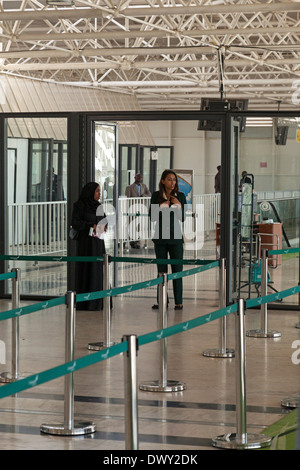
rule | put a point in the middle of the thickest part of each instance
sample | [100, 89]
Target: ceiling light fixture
[259, 122]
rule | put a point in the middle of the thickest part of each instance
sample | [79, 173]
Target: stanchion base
[219, 353]
[263, 334]
[157, 386]
[290, 402]
[7, 377]
[252, 441]
[79, 428]
[100, 345]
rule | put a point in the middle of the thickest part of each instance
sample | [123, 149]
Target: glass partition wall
[36, 209]
[268, 195]
[45, 169]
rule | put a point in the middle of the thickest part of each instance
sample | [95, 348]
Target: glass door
[266, 207]
[36, 213]
[105, 173]
[127, 166]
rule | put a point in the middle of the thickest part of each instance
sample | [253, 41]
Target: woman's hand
[175, 201]
[165, 204]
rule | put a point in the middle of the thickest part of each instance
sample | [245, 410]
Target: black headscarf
[87, 196]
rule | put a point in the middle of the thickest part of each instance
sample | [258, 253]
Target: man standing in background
[137, 189]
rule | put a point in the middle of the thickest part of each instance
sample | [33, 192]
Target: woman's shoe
[178, 307]
[155, 307]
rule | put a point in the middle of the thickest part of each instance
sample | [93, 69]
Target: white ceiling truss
[167, 53]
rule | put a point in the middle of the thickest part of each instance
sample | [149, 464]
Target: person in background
[89, 220]
[167, 208]
[137, 189]
[244, 178]
[218, 180]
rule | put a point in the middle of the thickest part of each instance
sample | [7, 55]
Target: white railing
[273, 195]
[36, 228]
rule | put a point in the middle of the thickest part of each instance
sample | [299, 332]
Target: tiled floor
[186, 420]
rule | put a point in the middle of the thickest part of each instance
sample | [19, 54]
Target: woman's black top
[167, 228]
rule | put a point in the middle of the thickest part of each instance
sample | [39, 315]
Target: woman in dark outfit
[167, 209]
[87, 213]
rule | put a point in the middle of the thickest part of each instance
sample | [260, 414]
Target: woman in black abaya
[87, 214]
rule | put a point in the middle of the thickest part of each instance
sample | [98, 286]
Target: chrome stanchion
[263, 332]
[241, 439]
[69, 427]
[130, 389]
[223, 351]
[106, 343]
[291, 402]
[163, 384]
[14, 375]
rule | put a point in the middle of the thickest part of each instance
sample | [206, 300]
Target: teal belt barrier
[85, 361]
[101, 294]
[8, 275]
[284, 251]
[80, 363]
[101, 258]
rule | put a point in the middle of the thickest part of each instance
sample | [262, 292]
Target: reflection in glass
[105, 153]
[269, 152]
[36, 196]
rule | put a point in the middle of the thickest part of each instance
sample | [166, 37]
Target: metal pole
[162, 323]
[263, 332]
[264, 291]
[106, 343]
[291, 402]
[6, 377]
[15, 325]
[163, 385]
[222, 351]
[194, 215]
[69, 356]
[69, 426]
[240, 380]
[241, 439]
[106, 301]
[130, 389]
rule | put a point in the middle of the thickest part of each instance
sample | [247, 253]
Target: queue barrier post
[263, 332]
[69, 427]
[291, 402]
[130, 391]
[222, 351]
[163, 384]
[14, 375]
[106, 343]
[241, 439]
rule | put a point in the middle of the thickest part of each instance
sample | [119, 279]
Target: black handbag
[73, 234]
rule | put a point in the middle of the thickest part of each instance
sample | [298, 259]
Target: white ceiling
[167, 53]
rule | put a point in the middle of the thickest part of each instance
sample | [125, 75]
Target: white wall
[274, 167]
[192, 150]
